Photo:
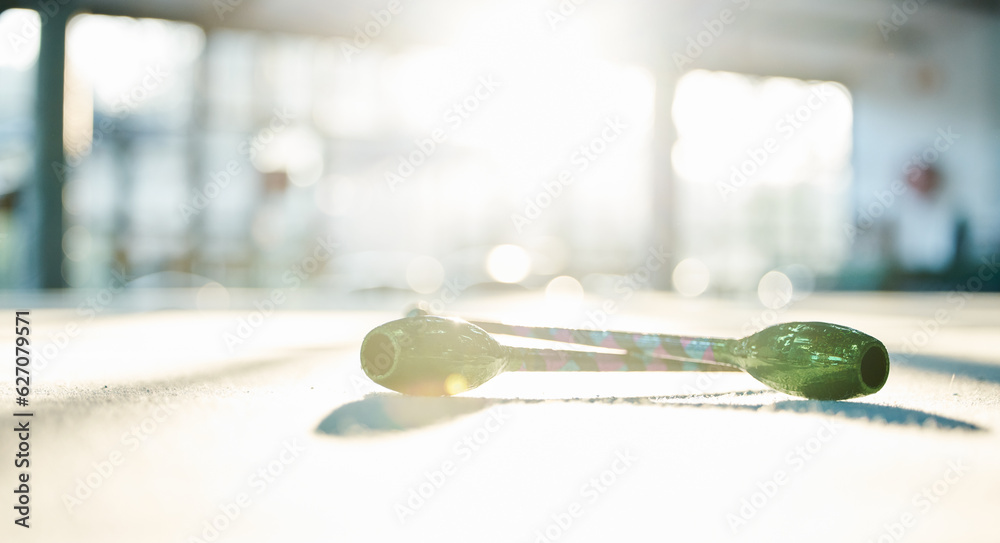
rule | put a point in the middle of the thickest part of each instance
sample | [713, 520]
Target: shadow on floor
[885, 414]
[379, 413]
[394, 412]
[948, 366]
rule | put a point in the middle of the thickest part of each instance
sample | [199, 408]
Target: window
[763, 169]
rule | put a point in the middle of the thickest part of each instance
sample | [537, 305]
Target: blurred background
[172, 172]
[737, 148]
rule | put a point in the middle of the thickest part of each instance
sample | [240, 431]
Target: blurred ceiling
[329, 17]
[436, 19]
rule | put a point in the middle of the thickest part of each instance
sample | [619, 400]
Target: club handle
[700, 351]
[528, 359]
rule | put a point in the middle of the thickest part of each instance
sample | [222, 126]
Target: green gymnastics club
[438, 356]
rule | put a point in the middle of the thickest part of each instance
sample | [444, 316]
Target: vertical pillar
[991, 242]
[665, 206]
[196, 143]
[43, 212]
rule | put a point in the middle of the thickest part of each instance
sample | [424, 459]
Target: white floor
[148, 428]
